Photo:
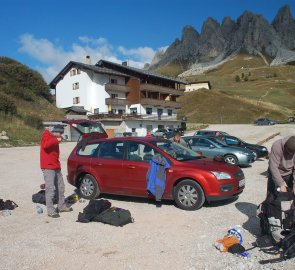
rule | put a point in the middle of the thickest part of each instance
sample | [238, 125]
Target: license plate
[242, 183]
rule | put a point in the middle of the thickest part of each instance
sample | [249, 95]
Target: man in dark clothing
[282, 166]
[50, 166]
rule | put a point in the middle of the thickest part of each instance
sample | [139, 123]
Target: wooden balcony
[160, 103]
[116, 101]
[160, 89]
[112, 87]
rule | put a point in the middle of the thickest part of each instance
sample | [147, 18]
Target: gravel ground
[160, 238]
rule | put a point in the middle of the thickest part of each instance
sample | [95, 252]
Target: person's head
[177, 136]
[57, 131]
[217, 133]
[289, 146]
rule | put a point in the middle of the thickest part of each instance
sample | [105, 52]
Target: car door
[208, 148]
[108, 165]
[136, 166]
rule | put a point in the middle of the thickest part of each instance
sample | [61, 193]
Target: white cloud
[53, 57]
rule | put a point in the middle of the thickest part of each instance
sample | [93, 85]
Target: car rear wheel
[231, 159]
[88, 187]
[189, 195]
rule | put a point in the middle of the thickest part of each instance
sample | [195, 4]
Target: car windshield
[177, 151]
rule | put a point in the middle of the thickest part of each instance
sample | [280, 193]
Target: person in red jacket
[50, 166]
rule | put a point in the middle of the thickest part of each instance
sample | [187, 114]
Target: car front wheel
[88, 187]
[189, 195]
[231, 159]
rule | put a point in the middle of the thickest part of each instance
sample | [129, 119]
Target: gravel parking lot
[160, 238]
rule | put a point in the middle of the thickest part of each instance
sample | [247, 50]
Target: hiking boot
[54, 215]
[65, 209]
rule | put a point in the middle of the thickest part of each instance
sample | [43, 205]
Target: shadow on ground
[252, 224]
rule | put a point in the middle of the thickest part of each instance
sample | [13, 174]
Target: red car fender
[88, 170]
[198, 177]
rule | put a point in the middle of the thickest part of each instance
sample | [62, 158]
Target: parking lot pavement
[160, 238]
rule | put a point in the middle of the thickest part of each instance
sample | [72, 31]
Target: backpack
[93, 209]
[286, 248]
[40, 198]
[115, 216]
[7, 205]
[276, 213]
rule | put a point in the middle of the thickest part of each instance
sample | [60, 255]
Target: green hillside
[246, 83]
[25, 102]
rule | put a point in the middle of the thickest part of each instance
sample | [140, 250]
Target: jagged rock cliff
[251, 33]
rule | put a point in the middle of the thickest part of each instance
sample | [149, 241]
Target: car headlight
[221, 175]
[264, 148]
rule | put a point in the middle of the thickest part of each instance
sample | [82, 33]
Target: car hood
[211, 165]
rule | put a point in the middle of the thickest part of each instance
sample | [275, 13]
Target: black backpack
[286, 248]
[7, 205]
[271, 213]
[115, 216]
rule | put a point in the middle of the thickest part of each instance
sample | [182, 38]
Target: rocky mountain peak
[189, 33]
[283, 16]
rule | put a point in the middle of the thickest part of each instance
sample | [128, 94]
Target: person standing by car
[50, 166]
[281, 166]
[177, 139]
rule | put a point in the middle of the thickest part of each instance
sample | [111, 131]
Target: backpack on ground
[276, 213]
[93, 209]
[285, 248]
[115, 216]
[40, 198]
[7, 205]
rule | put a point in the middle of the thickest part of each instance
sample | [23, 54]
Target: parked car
[264, 122]
[119, 166]
[161, 132]
[211, 147]
[257, 150]
[205, 132]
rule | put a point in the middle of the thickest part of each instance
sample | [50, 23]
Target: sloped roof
[128, 70]
[82, 66]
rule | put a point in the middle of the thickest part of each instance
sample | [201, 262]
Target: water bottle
[39, 209]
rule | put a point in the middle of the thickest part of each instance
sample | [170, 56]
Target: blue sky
[46, 34]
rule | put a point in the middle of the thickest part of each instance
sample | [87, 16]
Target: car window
[232, 141]
[204, 142]
[88, 150]
[137, 151]
[111, 150]
[193, 141]
[176, 150]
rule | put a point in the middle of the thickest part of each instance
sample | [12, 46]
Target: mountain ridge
[218, 42]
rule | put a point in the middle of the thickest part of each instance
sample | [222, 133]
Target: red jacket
[49, 152]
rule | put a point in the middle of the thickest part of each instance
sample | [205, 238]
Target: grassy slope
[269, 91]
[23, 87]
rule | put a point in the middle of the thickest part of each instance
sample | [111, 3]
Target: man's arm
[274, 162]
[50, 142]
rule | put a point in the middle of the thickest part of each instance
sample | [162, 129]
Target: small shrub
[246, 79]
[33, 121]
[237, 78]
[243, 75]
[275, 75]
[7, 105]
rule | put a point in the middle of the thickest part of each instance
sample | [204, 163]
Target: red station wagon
[119, 166]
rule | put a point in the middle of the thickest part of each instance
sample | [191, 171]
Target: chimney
[125, 63]
[87, 60]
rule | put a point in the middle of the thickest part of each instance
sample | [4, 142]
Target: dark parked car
[205, 132]
[257, 150]
[120, 165]
[211, 147]
[264, 122]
